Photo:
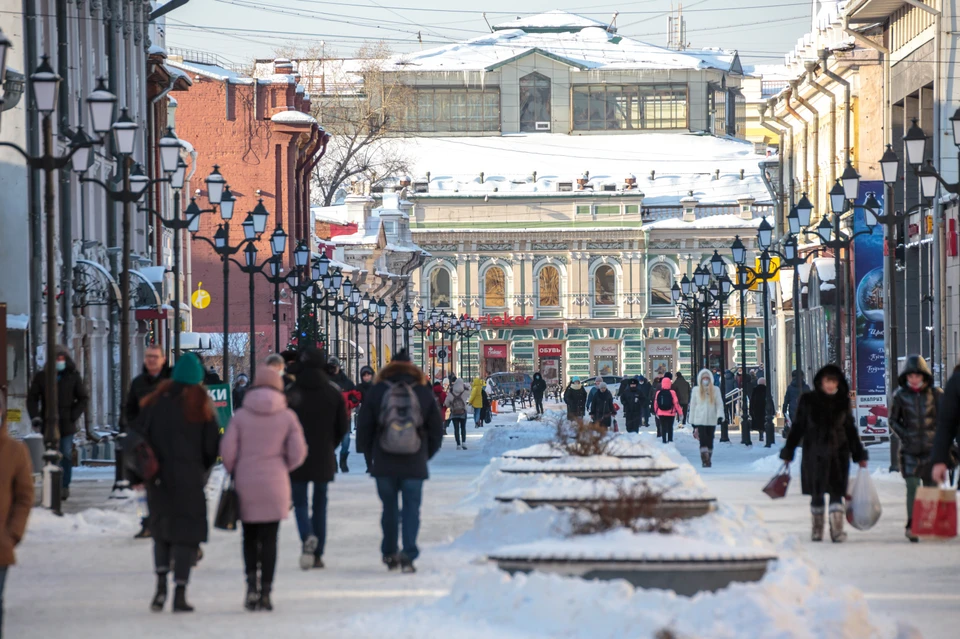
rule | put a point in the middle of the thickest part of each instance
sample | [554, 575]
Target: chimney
[404, 181]
[746, 207]
[359, 208]
[630, 183]
[583, 180]
[689, 204]
[282, 66]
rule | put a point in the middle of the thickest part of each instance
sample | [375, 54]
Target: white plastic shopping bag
[863, 502]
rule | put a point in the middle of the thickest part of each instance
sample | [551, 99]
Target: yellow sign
[14, 415]
[200, 298]
[774, 268]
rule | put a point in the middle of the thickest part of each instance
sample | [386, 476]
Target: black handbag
[228, 509]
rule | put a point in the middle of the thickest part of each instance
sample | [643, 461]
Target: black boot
[343, 463]
[180, 600]
[160, 597]
[265, 603]
[144, 530]
[252, 600]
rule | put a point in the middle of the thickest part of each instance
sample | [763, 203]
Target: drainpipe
[795, 85]
[806, 142]
[65, 190]
[811, 78]
[762, 109]
[792, 156]
[848, 118]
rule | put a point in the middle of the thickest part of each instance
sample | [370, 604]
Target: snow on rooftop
[294, 117]
[156, 50]
[17, 322]
[154, 273]
[336, 214]
[709, 222]
[683, 162]
[826, 269]
[555, 19]
[211, 71]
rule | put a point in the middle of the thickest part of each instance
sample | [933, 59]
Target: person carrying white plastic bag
[863, 502]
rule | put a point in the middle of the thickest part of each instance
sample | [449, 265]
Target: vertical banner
[222, 397]
[869, 301]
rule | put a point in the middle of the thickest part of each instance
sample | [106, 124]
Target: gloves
[719, 421]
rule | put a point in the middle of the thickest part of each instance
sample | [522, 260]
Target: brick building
[259, 132]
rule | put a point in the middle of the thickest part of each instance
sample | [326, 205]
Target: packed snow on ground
[682, 483]
[497, 441]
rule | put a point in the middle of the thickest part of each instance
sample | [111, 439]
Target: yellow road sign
[200, 298]
[774, 268]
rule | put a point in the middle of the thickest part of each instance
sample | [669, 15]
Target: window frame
[422, 114]
[539, 291]
[431, 290]
[642, 104]
[531, 126]
[484, 294]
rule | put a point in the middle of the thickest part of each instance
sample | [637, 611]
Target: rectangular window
[583, 210]
[459, 110]
[606, 107]
[631, 209]
[718, 111]
[608, 209]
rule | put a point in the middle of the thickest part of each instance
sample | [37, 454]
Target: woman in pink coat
[667, 408]
[262, 444]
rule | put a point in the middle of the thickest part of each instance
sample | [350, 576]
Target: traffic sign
[442, 354]
[200, 298]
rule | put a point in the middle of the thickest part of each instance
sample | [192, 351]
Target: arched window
[534, 101]
[661, 281]
[440, 288]
[495, 288]
[549, 286]
[604, 286]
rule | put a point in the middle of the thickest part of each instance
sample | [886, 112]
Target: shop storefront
[606, 358]
[495, 358]
[550, 363]
[661, 358]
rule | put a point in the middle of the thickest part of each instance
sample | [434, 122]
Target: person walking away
[758, 408]
[667, 408]
[155, 370]
[824, 425]
[538, 387]
[366, 383]
[593, 393]
[457, 400]
[947, 438]
[239, 390]
[322, 412]
[575, 397]
[705, 414]
[211, 377]
[262, 445]
[631, 404]
[798, 386]
[655, 388]
[352, 400]
[476, 402]
[401, 411]
[179, 423]
[913, 417]
[441, 396]
[72, 400]
[602, 409]
[445, 412]
[16, 497]
[486, 416]
[682, 388]
[646, 400]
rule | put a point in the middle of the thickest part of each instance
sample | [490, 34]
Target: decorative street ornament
[200, 298]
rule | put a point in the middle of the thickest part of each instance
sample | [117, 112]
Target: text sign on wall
[608, 350]
[550, 350]
[496, 351]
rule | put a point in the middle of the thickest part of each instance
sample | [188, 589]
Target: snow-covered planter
[649, 560]
[622, 447]
[600, 466]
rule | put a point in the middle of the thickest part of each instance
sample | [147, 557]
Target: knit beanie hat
[188, 370]
[268, 377]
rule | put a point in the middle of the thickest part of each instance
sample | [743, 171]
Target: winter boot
[180, 599]
[160, 597]
[144, 530]
[343, 463]
[252, 600]
[265, 603]
[392, 561]
[913, 538]
[705, 457]
[837, 516]
[318, 562]
[406, 564]
[817, 512]
[709, 459]
[308, 554]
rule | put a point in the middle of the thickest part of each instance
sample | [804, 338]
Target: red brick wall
[253, 153]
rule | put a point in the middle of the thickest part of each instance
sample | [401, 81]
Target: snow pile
[497, 441]
[682, 483]
[591, 463]
[45, 526]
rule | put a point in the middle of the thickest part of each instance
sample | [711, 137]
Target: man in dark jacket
[155, 370]
[346, 385]
[758, 410]
[366, 383]
[323, 414]
[538, 387]
[212, 377]
[72, 398]
[575, 397]
[239, 390]
[798, 386]
[913, 417]
[682, 388]
[948, 427]
[632, 404]
[646, 400]
[400, 474]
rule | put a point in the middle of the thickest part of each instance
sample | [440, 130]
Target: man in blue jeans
[400, 475]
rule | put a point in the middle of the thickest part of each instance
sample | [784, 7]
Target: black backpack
[665, 400]
[401, 420]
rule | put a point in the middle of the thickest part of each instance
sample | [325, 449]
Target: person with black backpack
[457, 400]
[401, 428]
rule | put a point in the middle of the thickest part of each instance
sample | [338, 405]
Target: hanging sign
[222, 403]
[495, 351]
[200, 298]
[550, 350]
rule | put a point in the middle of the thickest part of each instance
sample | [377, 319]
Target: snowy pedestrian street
[85, 575]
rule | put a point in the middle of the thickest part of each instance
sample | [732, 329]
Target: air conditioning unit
[542, 126]
[565, 186]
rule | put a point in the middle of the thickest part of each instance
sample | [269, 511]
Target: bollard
[52, 482]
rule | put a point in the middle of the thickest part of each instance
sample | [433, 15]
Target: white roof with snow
[555, 19]
[293, 117]
[683, 162]
[585, 46]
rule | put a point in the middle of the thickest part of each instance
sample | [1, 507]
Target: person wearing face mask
[825, 427]
[705, 414]
[72, 399]
[575, 397]
[913, 417]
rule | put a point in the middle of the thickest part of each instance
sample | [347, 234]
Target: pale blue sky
[762, 30]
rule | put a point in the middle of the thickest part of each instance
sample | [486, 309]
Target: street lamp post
[765, 273]
[742, 285]
[422, 329]
[278, 244]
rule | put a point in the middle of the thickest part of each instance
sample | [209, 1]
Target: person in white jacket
[705, 413]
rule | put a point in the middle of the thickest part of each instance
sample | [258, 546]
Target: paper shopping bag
[935, 514]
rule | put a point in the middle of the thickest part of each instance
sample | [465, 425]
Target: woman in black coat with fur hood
[824, 425]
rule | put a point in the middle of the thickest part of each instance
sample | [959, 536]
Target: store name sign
[606, 349]
[660, 349]
[495, 351]
[550, 350]
[505, 320]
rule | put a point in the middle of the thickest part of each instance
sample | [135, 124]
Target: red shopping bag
[616, 426]
[776, 488]
[935, 514]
